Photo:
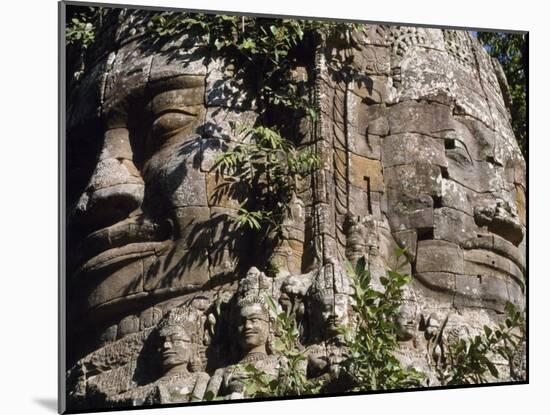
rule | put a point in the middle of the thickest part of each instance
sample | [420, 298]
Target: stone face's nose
[115, 188]
[501, 219]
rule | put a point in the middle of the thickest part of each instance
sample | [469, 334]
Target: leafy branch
[81, 32]
[469, 361]
[510, 49]
[267, 166]
[372, 344]
[265, 48]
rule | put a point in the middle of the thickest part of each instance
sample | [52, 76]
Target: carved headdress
[253, 288]
[331, 279]
[181, 319]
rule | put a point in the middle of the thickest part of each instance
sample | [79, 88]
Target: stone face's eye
[170, 124]
[179, 340]
[456, 150]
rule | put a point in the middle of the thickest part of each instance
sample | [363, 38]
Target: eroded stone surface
[417, 153]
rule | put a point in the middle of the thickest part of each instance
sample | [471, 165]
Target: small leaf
[251, 389]
[278, 345]
[312, 114]
[510, 308]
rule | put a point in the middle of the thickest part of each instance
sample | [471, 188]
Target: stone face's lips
[115, 256]
[129, 231]
[488, 260]
[332, 324]
[168, 354]
[499, 246]
[331, 321]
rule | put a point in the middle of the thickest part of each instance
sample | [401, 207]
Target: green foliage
[266, 167]
[511, 51]
[372, 343]
[82, 25]
[265, 49]
[292, 378]
[81, 30]
[469, 361]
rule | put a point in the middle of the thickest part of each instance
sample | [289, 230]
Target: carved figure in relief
[253, 334]
[408, 320]
[293, 299]
[178, 344]
[330, 309]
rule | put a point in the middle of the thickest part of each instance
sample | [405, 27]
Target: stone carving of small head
[408, 319]
[331, 306]
[253, 324]
[252, 312]
[293, 291]
[178, 340]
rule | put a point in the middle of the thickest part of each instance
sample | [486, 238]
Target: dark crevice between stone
[424, 234]
[367, 180]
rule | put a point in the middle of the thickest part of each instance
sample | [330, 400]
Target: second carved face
[177, 349]
[253, 327]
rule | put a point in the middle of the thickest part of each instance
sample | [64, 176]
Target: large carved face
[140, 192]
[146, 218]
[454, 176]
[253, 326]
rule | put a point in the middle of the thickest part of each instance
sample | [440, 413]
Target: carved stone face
[334, 312]
[407, 320]
[454, 175]
[177, 350]
[144, 182]
[253, 327]
[430, 160]
[145, 215]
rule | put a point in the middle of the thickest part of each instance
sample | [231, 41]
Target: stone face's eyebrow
[177, 336]
[178, 99]
[254, 316]
[177, 94]
[176, 82]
